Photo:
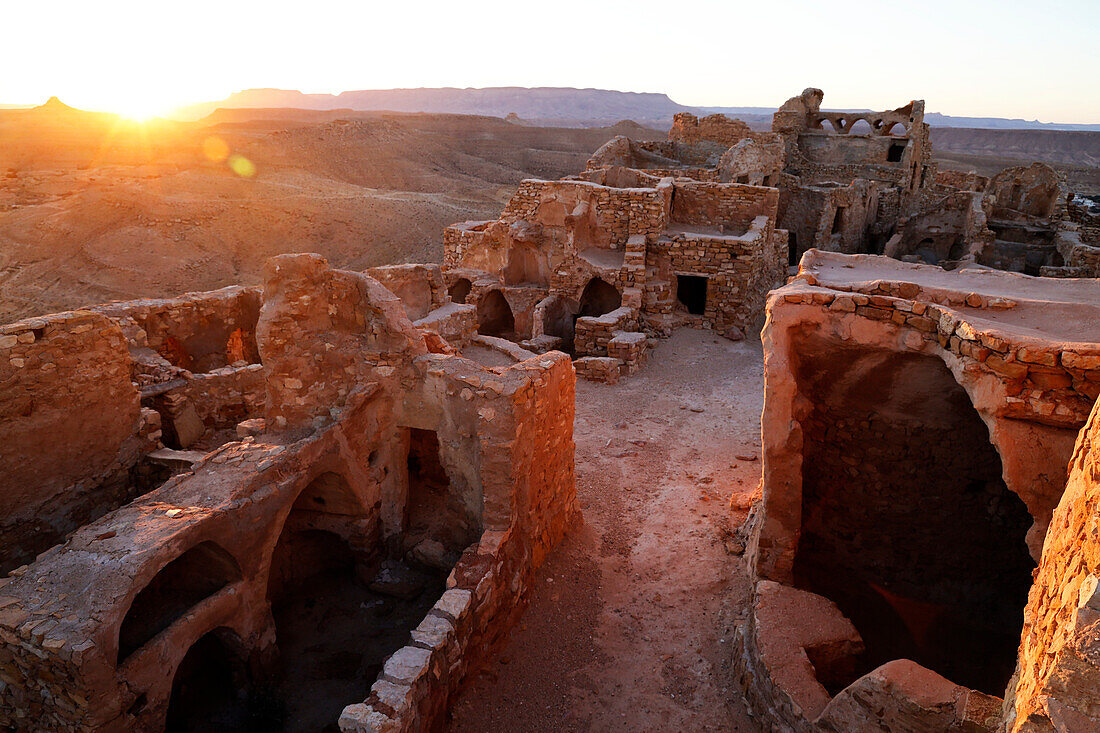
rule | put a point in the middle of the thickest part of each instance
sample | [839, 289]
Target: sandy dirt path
[630, 624]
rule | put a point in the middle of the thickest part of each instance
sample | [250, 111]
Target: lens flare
[215, 149]
[242, 166]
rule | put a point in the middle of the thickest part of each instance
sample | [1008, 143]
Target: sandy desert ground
[95, 208]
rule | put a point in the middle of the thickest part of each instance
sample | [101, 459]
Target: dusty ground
[94, 209]
[630, 622]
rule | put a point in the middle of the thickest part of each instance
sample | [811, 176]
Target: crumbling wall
[420, 287]
[830, 217]
[312, 317]
[1029, 191]
[365, 381]
[198, 332]
[757, 163]
[727, 131]
[525, 437]
[1058, 673]
[952, 229]
[71, 432]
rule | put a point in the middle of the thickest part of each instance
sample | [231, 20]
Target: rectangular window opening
[691, 290]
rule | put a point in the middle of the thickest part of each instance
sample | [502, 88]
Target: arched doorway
[459, 290]
[494, 316]
[179, 586]
[598, 297]
[907, 524]
[212, 690]
[340, 603]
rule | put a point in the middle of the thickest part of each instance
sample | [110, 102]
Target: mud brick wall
[592, 334]
[526, 445]
[226, 396]
[1058, 671]
[70, 428]
[199, 332]
[621, 211]
[729, 204]
[458, 239]
[740, 270]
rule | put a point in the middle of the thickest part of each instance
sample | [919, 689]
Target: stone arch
[555, 316]
[212, 689]
[906, 520]
[324, 519]
[459, 290]
[494, 315]
[897, 129]
[180, 585]
[860, 126]
[598, 297]
[526, 264]
[1038, 482]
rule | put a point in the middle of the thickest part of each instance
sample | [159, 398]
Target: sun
[137, 111]
[139, 108]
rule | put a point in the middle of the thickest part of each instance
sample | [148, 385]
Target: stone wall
[721, 204]
[505, 444]
[420, 287]
[620, 212]
[592, 333]
[727, 131]
[740, 270]
[72, 428]
[312, 317]
[1058, 672]
[488, 587]
[198, 332]
[226, 396]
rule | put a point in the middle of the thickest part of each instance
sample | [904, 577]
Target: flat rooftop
[1063, 309]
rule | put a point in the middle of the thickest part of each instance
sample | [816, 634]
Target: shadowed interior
[907, 524]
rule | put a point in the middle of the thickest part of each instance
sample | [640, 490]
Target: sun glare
[137, 112]
[136, 109]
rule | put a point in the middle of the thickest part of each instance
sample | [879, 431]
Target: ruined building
[593, 264]
[276, 496]
[917, 429]
[336, 484]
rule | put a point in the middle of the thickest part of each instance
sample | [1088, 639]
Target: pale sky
[1003, 58]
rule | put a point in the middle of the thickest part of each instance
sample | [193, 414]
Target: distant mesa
[557, 106]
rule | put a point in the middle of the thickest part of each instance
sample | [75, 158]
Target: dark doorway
[691, 290]
[838, 220]
[894, 152]
[598, 298]
[434, 509]
[179, 586]
[907, 524]
[212, 691]
[793, 255]
[459, 290]
[494, 316]
[331, 629]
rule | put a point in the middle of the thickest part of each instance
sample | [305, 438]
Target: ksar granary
[325, 499]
